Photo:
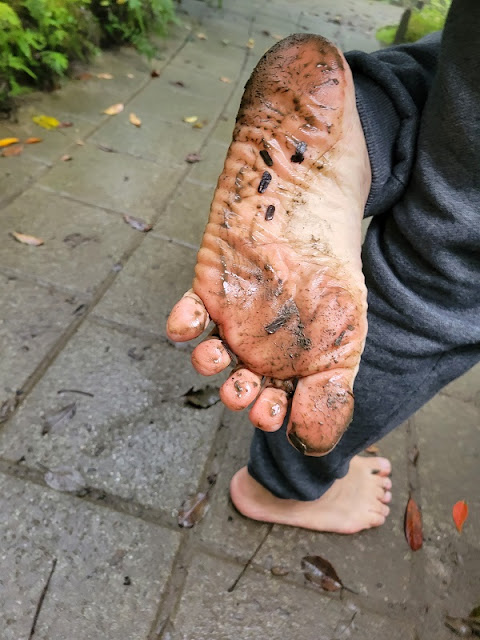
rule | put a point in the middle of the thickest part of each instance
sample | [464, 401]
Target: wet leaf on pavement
[460, 514]
[59, 418]
[202, 398]
[193, 510]
[137, 223]
[6, 142]
[26, 239]
[135, 120]
[114, 110]
[372, 450]
[8, 407]
[46, 122]
[14, 150]
[65, 479]
[191, 158]
[413, 525]
[413, 454]
[33, 140]
[319, 571]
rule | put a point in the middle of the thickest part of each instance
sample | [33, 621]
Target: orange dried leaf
[105, 76]
[114, 110]
[26, 239]
[33, 140]
[460, 514]
[413, 525]
[135, 120]
[16, 150]
[6, 142]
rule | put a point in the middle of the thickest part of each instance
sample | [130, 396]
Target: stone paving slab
[264, 606]
[154, 279]
[95, 549]
[32, 319]
[466, 388]
[135, 438]
[375, 563]
[16, 173]
[119, 182]
[73, 234]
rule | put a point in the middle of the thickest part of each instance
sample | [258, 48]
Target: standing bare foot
[357, 501]
[279, 270]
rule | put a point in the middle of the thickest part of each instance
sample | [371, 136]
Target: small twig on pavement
[250, 560]
[41, 599]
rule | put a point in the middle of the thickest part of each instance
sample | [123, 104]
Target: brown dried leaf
[154, 73]
[135, 120]
[65, 125]
[225, 79]
[8, 407]
[413, 525]
[33, 140]
[137, 223]
[66, 158]
[202, 398]
[15, 150]
[177, 83]
[319, 571]
[59, 418]
[265, 32]
[278, 570]
[85, 75]
[202, 36]
[26, 239]
[372, 450]
[115, 109]
[6, 142]
[105, 76]
[192, 158]
[65, 479]
[193, 510]
[413, 454]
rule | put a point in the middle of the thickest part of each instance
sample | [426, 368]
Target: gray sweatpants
[420, 110]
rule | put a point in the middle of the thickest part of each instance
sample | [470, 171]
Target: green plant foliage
[422, 22]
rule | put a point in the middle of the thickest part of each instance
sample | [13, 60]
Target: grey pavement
[82, 322]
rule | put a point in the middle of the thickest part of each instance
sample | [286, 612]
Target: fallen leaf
[265, 32]
[200, 124]
[114, 110]
[85, 75]
[33, 140]
[319, 571]
[130, 75]
[6, 142]
[154, 73]
[202, 36]
[202, 398]
[372, 449]
[135, 120]
[65, 479]
[8, 407]
[458, 626]
[177, 83]
[193, 510]
[59, 418]
[26, 239]
[105, 76]
[225, 79]
[250, 43]
[279, 571]
[413, 525]
[413, 454]
[14, 150]
[191, 158]
[65, 125]
[190, 119]
[66, 158]
[80, 143]
[103, 147]
[460, 514]
[46, 122]
[137, 223]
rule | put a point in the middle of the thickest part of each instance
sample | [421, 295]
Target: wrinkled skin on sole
[279, 268]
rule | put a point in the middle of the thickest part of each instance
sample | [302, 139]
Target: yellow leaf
[47, 122]
[104, 76]
[202, 36]
[190, 119]
[25, 239]
[225, 79]
[135, 120]
[250, 43]
[5, 142]
[114, 110]
[33, 140]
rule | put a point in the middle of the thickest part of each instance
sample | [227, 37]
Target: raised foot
[279, 270]
[356, 502]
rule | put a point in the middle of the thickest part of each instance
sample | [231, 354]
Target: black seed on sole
[266, 158]
[299, 151]
[264, 182]
[269, 212]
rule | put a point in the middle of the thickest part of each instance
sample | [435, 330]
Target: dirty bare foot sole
[356, 502]
[279, 270]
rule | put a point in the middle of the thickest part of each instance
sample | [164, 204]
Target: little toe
[188, 318]
[386, 483]
[210, 357]
[269, 410]
[240, 390]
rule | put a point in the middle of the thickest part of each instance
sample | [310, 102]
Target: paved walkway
[89, 543]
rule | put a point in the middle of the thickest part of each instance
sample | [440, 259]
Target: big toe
[188, 318]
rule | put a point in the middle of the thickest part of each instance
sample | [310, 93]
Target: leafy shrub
[422, 22]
